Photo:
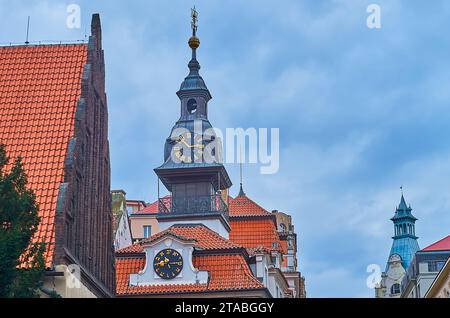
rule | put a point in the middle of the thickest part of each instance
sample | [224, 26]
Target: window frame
[149, 228]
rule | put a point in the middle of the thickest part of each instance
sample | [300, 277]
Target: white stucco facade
[188, 275]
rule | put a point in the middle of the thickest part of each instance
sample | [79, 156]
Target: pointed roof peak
[194, 81]
[403, 210]
[244, 206]
[241, 191]
[402, 205]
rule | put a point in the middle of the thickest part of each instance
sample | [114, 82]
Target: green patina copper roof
[404, 244]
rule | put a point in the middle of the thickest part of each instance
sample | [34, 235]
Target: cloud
[360, 111]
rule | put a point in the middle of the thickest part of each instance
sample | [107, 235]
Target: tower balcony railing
[193, 205]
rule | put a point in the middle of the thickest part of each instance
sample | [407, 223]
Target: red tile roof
[228, 272]
[204, 238]
[154, 207]
[127, 266]
[244, 206]
[39, 89]
[441, 245]
[255, 234]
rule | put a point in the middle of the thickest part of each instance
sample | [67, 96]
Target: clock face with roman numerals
[168, 263]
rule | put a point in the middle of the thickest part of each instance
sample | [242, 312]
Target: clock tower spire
[193, 170]
[404, 247]
[193, 93]
[404, 240]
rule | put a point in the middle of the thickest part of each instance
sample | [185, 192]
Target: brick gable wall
[84, 214]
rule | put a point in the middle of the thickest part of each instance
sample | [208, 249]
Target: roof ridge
[436, 243]
[152, 239]
[199, 244]
[259, 206]
[42, 43]
[217, 235]
[253, 216]
[245, 206]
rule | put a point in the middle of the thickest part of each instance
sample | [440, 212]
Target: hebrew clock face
[186, 150]
[198, 147]
[182, 147]
[168, 263]
[179, 152]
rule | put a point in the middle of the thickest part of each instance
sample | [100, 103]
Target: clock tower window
[192, 106]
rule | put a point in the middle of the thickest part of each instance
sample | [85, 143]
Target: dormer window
[147, 231]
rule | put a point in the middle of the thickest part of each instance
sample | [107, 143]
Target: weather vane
[194, 15]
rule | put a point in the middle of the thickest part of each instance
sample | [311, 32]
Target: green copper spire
[405, 240]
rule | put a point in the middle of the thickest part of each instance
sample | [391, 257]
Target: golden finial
[194, 41]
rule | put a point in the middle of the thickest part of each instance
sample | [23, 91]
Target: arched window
[404, 228]
[283, 227]
[395, 289]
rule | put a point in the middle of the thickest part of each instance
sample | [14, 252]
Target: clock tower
[193, 171]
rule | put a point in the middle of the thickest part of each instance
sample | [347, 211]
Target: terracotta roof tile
[205, 238]
[39, 89]
[255, 234]
[153, 208]
[244, 206]
[226, 272]
[127, 266]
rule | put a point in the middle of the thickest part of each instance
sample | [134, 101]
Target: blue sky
[360, 111]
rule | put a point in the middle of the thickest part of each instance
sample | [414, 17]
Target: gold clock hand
[184, 142]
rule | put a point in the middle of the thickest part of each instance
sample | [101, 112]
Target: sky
[361, 111]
